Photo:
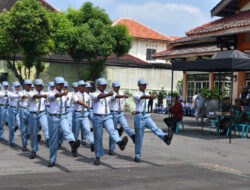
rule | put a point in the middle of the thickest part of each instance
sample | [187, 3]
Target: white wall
[139, 49]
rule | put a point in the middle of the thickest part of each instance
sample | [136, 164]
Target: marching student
[4, 103]
[58, 121]
[143, 119]
[38, 116]
[118, 115]
[24, 113]
[80, 106]
[13, 110]
[103, 119]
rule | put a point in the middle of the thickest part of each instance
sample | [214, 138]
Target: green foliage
[212, 94]
[26, 30]
[89, 35]
[180, 86]
[174, 94]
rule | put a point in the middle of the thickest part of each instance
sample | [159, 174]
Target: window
[149, 54]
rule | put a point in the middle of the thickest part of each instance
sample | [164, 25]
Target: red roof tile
[231, 24]
[200, 50]
[137, 30]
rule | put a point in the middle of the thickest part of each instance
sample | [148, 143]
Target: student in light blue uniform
[103, 119]
[58, 121]
[51, 87]
[38, 116]
[143, 119]
[89, 112]
[80, 106]
[24, 113]
[118, 115]
[13, 112]
[4, 103]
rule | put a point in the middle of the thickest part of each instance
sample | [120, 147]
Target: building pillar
[239, 82]
[211, 80]
[184, 90]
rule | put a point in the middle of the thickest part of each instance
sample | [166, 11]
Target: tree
[91, 36]
[25, 29]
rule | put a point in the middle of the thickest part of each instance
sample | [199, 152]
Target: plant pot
[212, 105]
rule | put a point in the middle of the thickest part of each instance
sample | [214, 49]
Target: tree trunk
[14, 70]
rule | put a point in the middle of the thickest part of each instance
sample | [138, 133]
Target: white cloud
[166, 17]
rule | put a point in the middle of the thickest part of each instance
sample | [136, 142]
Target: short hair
[226, 98]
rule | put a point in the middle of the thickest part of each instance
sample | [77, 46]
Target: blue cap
[5, 83]
[39, 82]
[101, 81]
[116, 84]
[51, 84]
[142, 81]
[81, 82]
[66, 84]
[75, 84]
[245, 87]
[28, 81]
[15, 84]
[88, 85]
[59, 80]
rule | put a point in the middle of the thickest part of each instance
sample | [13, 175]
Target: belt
[141, 112]
[37, 112]
[79, 111]
[23, 107]
[57, 115]
[100, 115]
[14, 106]
[3, 104]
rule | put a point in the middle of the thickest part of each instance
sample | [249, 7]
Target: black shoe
[47, 142]
[168, 138]
[120, 131]
[24, 149]
[111, 152]
[16, 127]
[138, 160]
[84, 143]
[97, 161]
[133, 138]
[12, 145]
[59, 147]
[122, 144]
[74, 146]
[39, 138]
[51, 164]
[40, 128]
[28, 136]
[91, 129]
[33, 155]
[92, 147]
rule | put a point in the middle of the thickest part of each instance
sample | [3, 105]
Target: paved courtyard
[193, 161]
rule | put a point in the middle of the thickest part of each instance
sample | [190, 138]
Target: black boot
[97, 161]
[24, 149]
[47, 142]
[168, 138]
[92, 147]
[16, 127]
[111, 152]
[120, 131]
[39, 138]
[138, 160]
[33, 155]
[74, 146]
[28, 136]
[84, 143]
[122, 144]
[133, 138]
[51, 164]
[59, 147]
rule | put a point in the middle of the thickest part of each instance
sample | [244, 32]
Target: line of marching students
[62, 115]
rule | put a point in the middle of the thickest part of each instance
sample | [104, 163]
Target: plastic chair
[246, 134]
[177, 126]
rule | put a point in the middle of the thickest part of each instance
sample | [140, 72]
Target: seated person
[226, 121]
[237, 110]
[176, 110]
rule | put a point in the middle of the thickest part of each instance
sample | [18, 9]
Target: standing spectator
[244, 96]
[160, 99]
[200, 106]
[150, 103]
[176, 109]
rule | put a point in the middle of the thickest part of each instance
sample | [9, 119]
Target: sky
[169, 17]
